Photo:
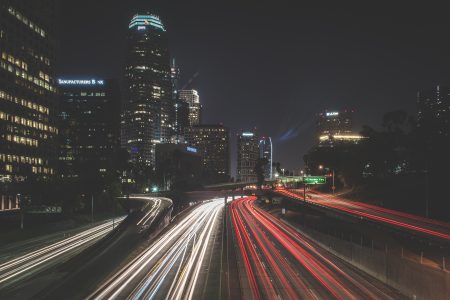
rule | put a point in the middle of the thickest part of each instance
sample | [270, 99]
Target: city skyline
[174, 150]
[364, 68]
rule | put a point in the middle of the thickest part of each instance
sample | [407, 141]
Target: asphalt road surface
[281, 263]
[177, 265]
[68, 269]
[404, 221]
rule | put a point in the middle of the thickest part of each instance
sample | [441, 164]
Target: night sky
[274, 65]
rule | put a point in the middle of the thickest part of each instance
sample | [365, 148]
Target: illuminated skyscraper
[336, 126]
[181, 120]
[334, 122]
[28, 101]
[265, 151]
[181, 108]
[434, 110]
[195, 108]
[174, 77]
[212, 141]
[89, 121]
[148, 111]
[247, 156]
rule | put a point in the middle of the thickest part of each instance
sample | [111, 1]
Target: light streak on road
[434, 228]
[41, 258]
[170, 267]
[150, 216]
[282, 263]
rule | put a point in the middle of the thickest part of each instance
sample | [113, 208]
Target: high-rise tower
[212, 141]
[195, 108]
[28, 100]
[89, 121]
[265, 151]
[147, 117]
[247, 156]
[434, 110]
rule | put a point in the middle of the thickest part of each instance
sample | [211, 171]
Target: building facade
[174, 78]
[334, 122]
[247, 156]
[28, 100]
[178, 166]
[266, 151]
[195, 108]
[89, 122]
[148, 110]
[181, 119]
[433, 109]
[212, 141]
[336, 127]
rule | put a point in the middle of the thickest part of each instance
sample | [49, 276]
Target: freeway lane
[28, 264]
[74, 277]
[280, 262]
[173, 267]
[417, 224]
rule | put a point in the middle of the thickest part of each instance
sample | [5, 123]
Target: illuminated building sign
[191, 149]
[333, 113]
[247, 134]
[80, 82]
[134, 150]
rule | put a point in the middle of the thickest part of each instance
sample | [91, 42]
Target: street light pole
[21, 210]
[334, 187]
[114, 211]
[304, 191]
[92, 208]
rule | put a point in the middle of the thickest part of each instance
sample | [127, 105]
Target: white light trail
[186, 244]
[34, 259]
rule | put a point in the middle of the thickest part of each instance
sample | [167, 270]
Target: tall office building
[247, 156]
[265, 151]
[148, 111]
[89, 122]
[334, 122]
[181, 108]
[212, 141]
[434, 109]
[181, 119]
[195, 108]
[336, 126]
[174, 77]
[28, 101]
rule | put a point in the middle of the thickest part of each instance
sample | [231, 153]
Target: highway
[71, 268]
[175, 265]
[281, 263]
[420, 225]
[31, 262]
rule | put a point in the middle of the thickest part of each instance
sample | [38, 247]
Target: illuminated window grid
[26, 122]
[24, 103]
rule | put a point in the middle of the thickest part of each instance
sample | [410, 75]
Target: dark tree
[260, 170]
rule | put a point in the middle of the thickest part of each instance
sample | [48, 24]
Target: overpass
[234, 185]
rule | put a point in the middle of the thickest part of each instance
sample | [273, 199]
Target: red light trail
[383, 215]
[280, 262]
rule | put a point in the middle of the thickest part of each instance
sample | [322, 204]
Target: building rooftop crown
[142, 21]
